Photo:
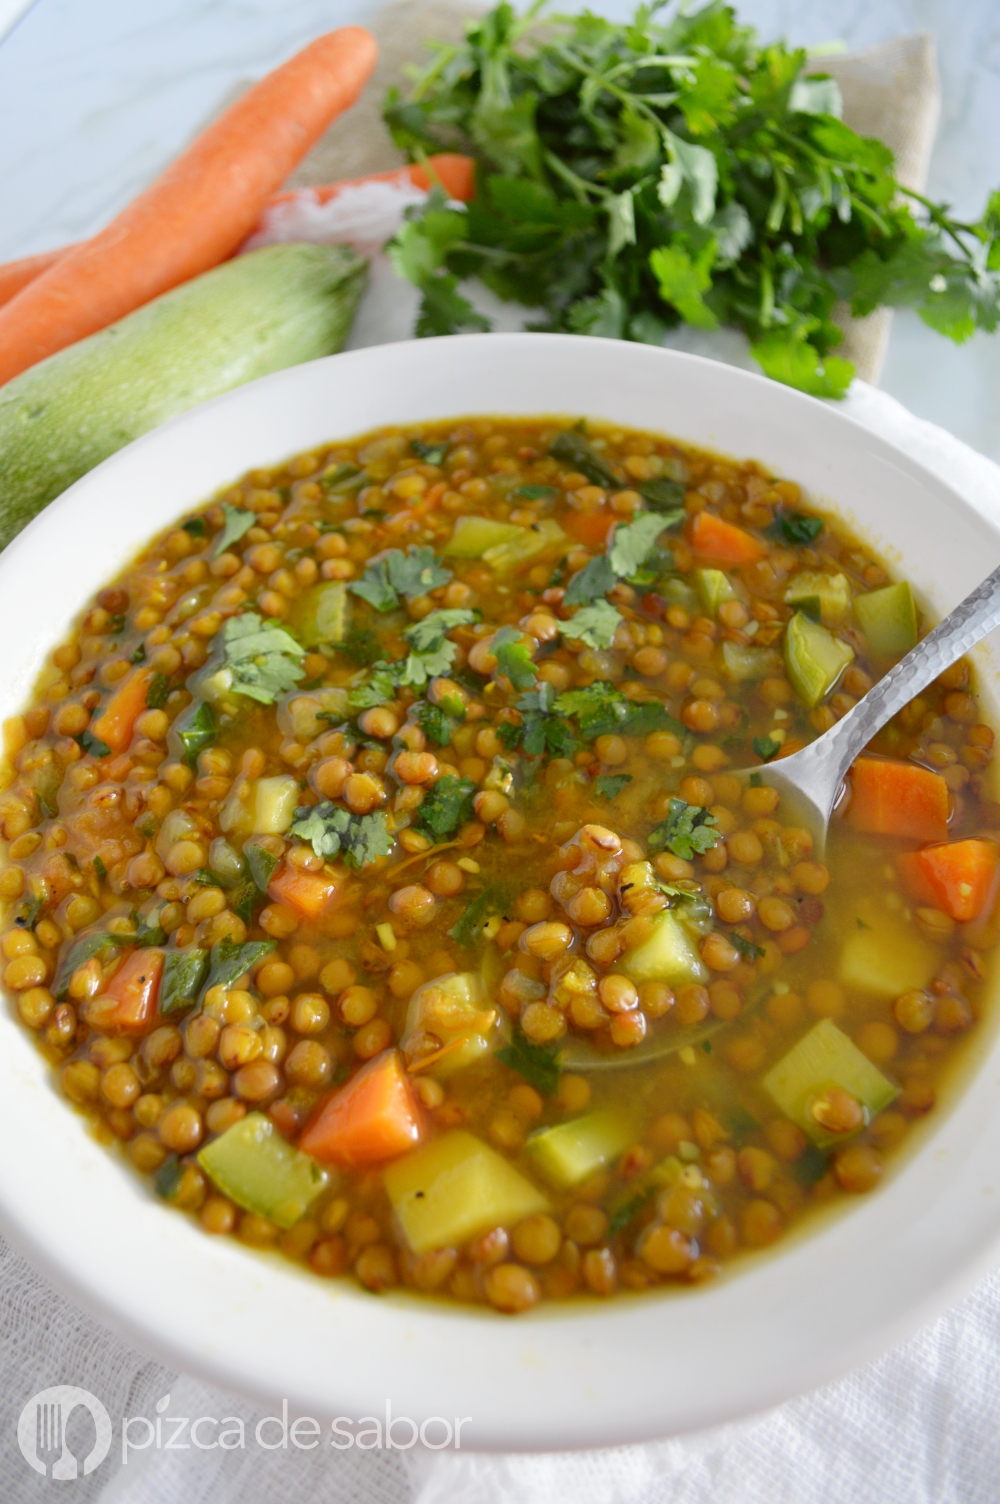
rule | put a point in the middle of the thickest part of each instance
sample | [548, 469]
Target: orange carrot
[960, 877]
[308, 893]
[591, 528]
[136, 988]
[455, 174]
[17, 274]
[197, 212]
[116, 723]
[375, 1117]
[709, 535]
[898, 799]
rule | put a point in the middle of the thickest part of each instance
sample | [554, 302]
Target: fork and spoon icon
[50, 1443]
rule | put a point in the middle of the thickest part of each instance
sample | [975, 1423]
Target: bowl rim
[598, 1354]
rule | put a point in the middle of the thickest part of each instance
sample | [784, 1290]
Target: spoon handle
[968, 624]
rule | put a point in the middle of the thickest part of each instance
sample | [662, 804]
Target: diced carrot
[591, 528]
[136, 988]
[308, 893]
[959, 877]
[898, 799]
[709, 535]
[116, 723]
[375, 1117]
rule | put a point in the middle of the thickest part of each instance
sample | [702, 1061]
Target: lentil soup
[388, 797]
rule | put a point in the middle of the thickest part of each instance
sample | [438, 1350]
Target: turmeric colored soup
[390, 793]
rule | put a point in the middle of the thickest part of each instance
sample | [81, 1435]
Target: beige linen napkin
[890, 91]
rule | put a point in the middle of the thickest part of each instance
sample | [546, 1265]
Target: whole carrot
[198, 211]
[455, 174]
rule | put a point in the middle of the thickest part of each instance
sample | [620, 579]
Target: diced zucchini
[677, 592]
[453, 1009]
[255, 1167]
[886, 959]
[823, 1058]
[888, 619]
[321, 616]
[543, 539]
[832, 591]
[713, 586]
[274, 804]
[571, 1151]
[454, 1188]
[667, 956]
[742, 663]
[814, 659]
[472, 536]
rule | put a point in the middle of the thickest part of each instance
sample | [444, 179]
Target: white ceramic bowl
[573, 1376]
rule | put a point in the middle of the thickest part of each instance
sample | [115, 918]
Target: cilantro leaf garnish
[610, 785]
[536, 493]
[594, 625]
[572, 449]
[229, 959]
[467, 929]
[195, 526]
[514, 658]
[361, 646]
[537, 1063]
[664, 496]
[88, 742]
[333, 831]
[600, 708]
[435, 722]
[236, 522]
[374, 587]
[632, 545]
[158, 692]
[263, 660]
[397, 574]
[428, 634]
[687, 831]
[431, 454]
[747, 949]
[446, 806]
[766, 747]
[381, 685]
[592, 582]
[798, 528]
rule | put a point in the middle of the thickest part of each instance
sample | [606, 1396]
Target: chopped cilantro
[599, 708]
[100, 869]
[687, 831]
[467, 929]
[664, 496]
[361, 646]
[263, 660]
[196, 526]
[428, 634]
[755, 780]
[514, 658]
[183, 973]
[236, 522]
[158, 692]
[331, 830]
[379, 687]
[632, 545]
[594, 625]
[435, 722]
[629, 1210]
[167, 1180]
[572, 449]
[396, 574]
[138, 653]
[592, 582]
[766, 747]
[431, 454]
[536, 493]
[230, 959]
[446, 806]
[81, 950]
[810, 1166]
[196, 732]
[246, 900]
[610, 785]
[88, 742]
[537, 1063]
[374, 587]
[747, 949]
[645, 716]
[798, 528]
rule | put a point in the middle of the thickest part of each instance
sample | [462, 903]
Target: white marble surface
[97, 95]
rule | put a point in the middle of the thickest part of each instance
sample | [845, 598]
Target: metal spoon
[810, 781]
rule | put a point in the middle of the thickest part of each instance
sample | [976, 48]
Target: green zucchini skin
[259, 313]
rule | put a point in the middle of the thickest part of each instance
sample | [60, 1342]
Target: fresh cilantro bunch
[632, 177]
[687, 831]
[333, 831]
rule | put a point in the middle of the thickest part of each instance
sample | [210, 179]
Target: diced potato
[274, 804]
[667, 956]
[472, 536]
[886, 959]
[452, 1008]
[571, 1151]
[823, 1058]
[455, 1188]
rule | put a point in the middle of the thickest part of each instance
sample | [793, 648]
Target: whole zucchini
[259, 313]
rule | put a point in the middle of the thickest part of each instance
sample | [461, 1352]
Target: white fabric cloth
[920, 1426]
